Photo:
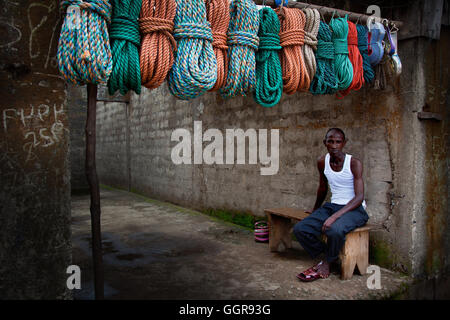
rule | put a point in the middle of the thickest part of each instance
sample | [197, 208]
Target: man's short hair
[335, 129]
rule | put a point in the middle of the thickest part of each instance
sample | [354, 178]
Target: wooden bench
[354, 253]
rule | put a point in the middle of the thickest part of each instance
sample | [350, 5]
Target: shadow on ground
[154, 250]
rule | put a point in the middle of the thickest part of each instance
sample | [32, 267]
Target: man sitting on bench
[345, 212]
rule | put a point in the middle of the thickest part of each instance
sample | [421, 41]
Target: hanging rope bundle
[325, 81]
[342, 65]
[84, 53]
[218, 13]
[125, 42]
[158, 44]
[311, 29]
[369, 74]
[195, 68]
[292, 38]
[356, 60]
[243, 42]
[269, 81]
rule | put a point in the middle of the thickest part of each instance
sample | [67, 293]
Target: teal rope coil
[84, 53]
[369, 74]
[242, 43]
[269, 78]
[342, 64]
[195, 68]
[325, 81]
[125, 43]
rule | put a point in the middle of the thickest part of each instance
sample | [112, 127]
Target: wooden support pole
[326, 11]
[91, 173]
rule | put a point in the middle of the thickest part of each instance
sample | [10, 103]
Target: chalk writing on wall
[42, 126]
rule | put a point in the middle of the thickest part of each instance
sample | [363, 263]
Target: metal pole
[91, 173]
[327, 11]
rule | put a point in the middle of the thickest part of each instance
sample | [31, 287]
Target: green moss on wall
[380, 254]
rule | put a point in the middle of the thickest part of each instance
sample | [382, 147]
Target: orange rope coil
[218, 14]
[356, 59]
[157, 44]
[292, 39]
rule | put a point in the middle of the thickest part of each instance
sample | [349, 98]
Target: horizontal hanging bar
[329, 11]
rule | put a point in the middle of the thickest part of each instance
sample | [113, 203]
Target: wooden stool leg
[286, 236]
[362, 260]
[348, 255]
[279, 231]
[273, 240]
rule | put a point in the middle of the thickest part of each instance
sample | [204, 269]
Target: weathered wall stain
[437, 65]
[35, 247]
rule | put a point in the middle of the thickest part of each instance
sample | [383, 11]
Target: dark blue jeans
[308, 230]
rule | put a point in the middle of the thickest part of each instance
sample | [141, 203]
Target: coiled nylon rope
[84, 53]
[157, 44]
[218, 13]
[325, 81]
[125, 42]
[269, 81]
[292, 38]
[195, 68]
[311, 29]
[369, 74]
[243, 42]
[356, 60]
[342, 65]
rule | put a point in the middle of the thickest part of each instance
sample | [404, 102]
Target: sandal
[311, 274]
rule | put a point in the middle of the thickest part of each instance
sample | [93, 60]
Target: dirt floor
[155, 250]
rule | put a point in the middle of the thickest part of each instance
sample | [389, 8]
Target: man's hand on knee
[327, 224]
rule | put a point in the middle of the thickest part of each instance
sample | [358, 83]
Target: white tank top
[341, 183]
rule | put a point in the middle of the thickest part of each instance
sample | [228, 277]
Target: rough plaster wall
[436, 70]
[35, 247]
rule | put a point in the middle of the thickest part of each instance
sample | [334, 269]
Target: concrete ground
[155, 250]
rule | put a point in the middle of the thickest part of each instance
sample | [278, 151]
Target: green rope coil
[369, 74]
[324, 81]
[84, 53]
[342, 64]
[269, 78]
[125, 42]
[195, 68]
[242, 44]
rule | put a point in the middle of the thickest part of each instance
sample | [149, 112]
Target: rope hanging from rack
[269, 81]
[342, 65]
[125, 43]
[218, 13]
[356, 60]
[84, 53]
[369, 74]
[242, 44]
[158, 44]
[195, 68]
[311, 29]
[292, 38]
[325, 81]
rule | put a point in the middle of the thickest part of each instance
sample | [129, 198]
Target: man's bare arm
[322, 190]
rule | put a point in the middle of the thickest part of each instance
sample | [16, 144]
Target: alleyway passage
[155, 250]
